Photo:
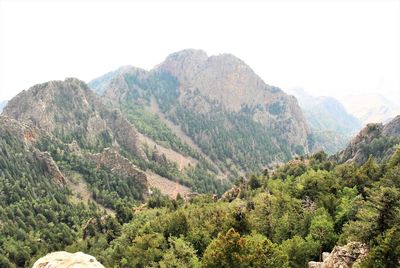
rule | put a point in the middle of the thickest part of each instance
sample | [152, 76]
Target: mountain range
[332, 126]
[139, 166]
[217, 103]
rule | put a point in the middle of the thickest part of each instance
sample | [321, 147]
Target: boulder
[62, 259]
[342, 256]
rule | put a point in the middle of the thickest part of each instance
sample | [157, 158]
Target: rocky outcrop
[231, 194]
[70, 111]
[45, 160]
[112, 160]
[62, 259]
[392, 128]
[378, 140]
[342, 256]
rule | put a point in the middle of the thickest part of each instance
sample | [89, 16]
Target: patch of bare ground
[166, 186]
[176, 129]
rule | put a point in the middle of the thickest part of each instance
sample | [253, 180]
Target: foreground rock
[346, 256]
[63, 259]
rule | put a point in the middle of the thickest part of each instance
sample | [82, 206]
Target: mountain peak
[189, 53]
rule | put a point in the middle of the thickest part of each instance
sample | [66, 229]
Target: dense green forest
[280, 218]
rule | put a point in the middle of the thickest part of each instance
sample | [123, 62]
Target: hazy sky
[327, 47]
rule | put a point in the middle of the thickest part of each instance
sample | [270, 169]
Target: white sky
[327, 47]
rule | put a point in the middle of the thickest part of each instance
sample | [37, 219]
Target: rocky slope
[376, 139]
[75, 116]
[231, 83]
[219, 103]
[70, 111]
[347, 256]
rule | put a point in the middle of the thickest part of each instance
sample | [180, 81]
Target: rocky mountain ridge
[221, 93]
[376, 139]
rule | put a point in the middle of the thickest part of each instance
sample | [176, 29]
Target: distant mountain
[218, 103]
[2, 104]
[326, 113]
[376, 139]
[331, 125]
[370, 108]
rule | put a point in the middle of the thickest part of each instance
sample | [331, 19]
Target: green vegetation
[282, 219]
[36, 216]
[151, 125]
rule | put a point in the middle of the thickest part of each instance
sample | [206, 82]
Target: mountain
[331, 125]
[326, 113]
[66, 157]
[2, 104]
[376, 139]
[68, 127]
[216, 104]
[370, 108]
[74, 114]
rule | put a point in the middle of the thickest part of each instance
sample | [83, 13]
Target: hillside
[377, 140]
[73, 113]
[219, 103]
[77, 175]
[285, 218]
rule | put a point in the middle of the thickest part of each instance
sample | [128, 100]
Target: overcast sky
[326, 47]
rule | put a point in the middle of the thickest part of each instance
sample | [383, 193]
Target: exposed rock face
[62, 259]
[112, 160]
[392, 128]
[367, 142]
[232, 83]
[44, 159]
[70, 110]
[342, 257]
[24, 133]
